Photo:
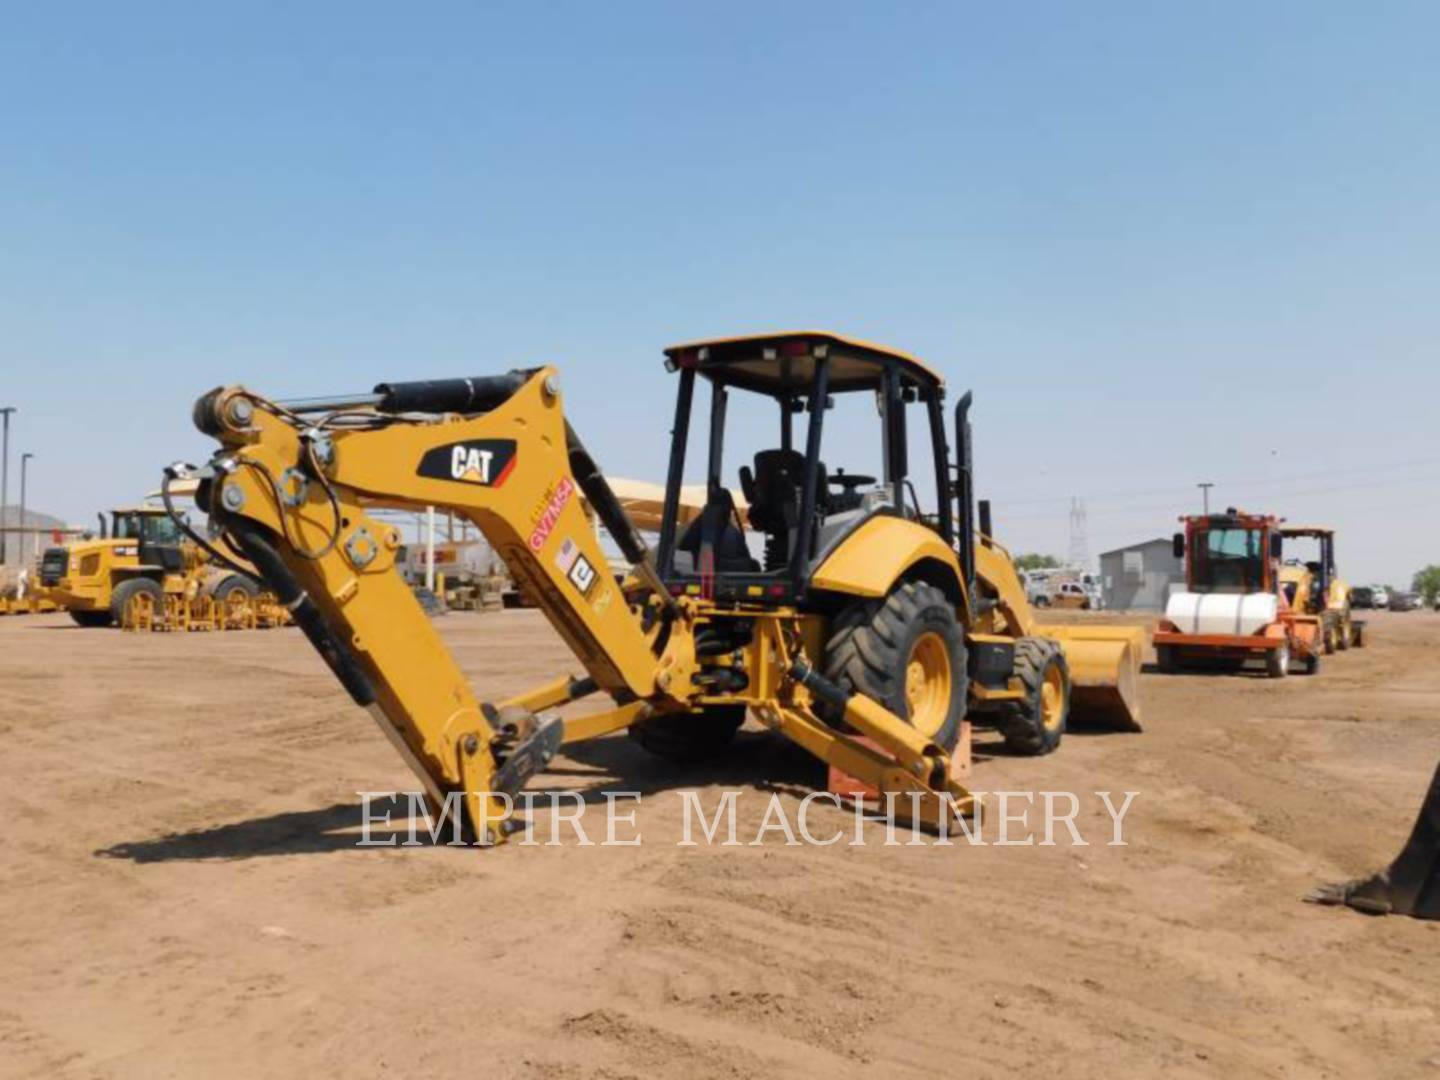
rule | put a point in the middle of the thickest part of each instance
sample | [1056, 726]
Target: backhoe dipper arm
[292, 493]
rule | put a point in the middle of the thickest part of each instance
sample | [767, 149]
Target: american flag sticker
[566, 556]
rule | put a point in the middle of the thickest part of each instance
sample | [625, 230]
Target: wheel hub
[927, 683]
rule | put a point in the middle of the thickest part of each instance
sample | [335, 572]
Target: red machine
[1233, 607]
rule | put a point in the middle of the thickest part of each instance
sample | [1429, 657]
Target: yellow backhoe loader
[859, 624]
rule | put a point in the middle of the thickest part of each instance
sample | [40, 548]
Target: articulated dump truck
[838, 611]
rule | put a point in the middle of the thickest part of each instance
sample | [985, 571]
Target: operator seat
[715, 530]
[774, 491]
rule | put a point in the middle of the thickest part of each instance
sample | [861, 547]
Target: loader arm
[295, 495]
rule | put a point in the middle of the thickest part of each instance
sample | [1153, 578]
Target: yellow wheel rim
[927, 684]
[1052, 698]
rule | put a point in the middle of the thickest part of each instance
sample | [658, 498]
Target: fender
[884, 550]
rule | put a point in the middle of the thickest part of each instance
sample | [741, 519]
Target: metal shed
[1139, 577]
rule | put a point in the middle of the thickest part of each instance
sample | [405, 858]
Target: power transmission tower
[1079, 540]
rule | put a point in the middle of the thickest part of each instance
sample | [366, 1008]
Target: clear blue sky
[1162, 242]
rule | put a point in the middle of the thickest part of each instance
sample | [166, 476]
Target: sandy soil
[183, 895]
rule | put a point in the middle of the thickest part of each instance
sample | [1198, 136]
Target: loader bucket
[1104, 672]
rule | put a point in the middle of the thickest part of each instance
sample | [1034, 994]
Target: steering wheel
[851, 482]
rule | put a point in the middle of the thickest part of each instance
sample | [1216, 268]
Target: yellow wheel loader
[841, 612]
[141, 559]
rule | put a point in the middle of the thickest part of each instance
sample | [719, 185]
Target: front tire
[906, 652]
[1035, 724]
[126, 592]
[1277, 661]
[235, 585]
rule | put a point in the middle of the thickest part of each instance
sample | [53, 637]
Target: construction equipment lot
[184, 896]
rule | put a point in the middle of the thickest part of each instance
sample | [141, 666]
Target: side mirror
[1177, 545]
[1277, 545]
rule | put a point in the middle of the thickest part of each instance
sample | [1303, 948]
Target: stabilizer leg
[905, 763]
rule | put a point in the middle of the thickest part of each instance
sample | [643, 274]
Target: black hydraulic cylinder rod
[479, 394]
[603, 501]
[612, 515]
[832, 694]
[257, 548]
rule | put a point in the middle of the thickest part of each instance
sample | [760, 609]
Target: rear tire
[91, 618]
[689, 736]
[130, 588]
[1277, 661]
[1036, 724]
[906, 652]
[1167, 659]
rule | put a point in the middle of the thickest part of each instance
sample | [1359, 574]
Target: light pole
[5, 481]
[1205, 487]
[24, 462]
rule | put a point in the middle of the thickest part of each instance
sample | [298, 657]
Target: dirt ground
[183, 896]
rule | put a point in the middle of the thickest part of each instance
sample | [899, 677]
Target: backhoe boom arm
[295, 495]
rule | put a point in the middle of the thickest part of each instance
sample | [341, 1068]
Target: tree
[1037, 562]
[1427, 582]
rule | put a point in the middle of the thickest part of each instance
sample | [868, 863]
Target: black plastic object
[830, 693]
[257, 548]
[1408, 886]
[603, 501]
[479, 394]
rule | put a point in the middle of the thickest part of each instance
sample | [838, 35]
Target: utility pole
[1205, 487]
[24, 461]
[5, 481]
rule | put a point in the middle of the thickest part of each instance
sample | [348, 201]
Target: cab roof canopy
[1234, 519]
[1306, 530]
[784, 364]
